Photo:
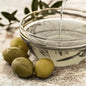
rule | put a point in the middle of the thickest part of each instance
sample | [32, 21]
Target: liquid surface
[73, 32]
[71, 28]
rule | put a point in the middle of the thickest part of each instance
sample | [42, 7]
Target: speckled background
[65, 76]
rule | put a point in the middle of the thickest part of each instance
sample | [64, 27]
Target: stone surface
[65, 76]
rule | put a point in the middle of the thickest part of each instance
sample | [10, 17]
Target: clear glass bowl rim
[46, 39]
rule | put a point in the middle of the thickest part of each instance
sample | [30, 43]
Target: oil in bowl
[43, 39]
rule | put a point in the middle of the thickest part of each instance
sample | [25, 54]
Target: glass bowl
[65, 47]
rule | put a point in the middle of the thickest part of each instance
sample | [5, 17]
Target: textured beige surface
[66, 76]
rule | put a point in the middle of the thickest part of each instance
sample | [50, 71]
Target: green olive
[23, 67]
[18, 42]
[44, 68]
[11, 53]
